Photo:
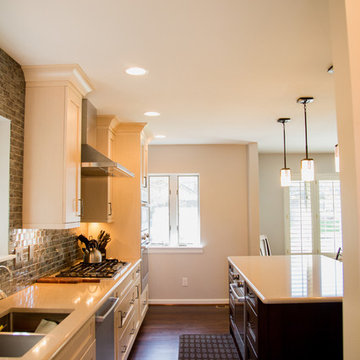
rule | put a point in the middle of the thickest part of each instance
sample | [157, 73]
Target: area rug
[207, 347]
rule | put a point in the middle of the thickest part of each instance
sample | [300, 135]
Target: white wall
[271, 193]
[224, 221]
[345, 28]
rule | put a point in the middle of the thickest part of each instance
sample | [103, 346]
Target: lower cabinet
[82, 346]
[144, 302]
[91, 353]
[129, 313]
[283, 331]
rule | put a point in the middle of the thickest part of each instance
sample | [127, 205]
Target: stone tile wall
[54, 249]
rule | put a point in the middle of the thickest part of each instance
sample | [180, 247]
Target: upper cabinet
[144, 168]
[52, 146]
[96, 191]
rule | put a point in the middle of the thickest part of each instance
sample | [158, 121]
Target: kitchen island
[286, 307]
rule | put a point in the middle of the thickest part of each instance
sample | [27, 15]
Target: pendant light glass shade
[307, 170]
[285, 172]
[337, 158]
[307, 164]
[285, 177]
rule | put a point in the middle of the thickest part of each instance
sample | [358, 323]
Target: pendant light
[285, 172]
[337, 158]
[307, 164]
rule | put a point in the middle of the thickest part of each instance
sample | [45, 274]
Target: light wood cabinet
[97, 192]
[144, 168]
[52, 147]
[81, 346]
[144, 302]
[128, 317]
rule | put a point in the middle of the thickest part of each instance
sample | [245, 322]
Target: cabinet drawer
[126, 284]
[77, 347]
[250, 353]
[126, 308]
[126, 339]
[251, 298]
[251, 324]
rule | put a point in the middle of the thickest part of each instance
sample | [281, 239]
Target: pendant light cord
[284, 145]
[306, 138]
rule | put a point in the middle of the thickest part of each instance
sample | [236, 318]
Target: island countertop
[292, 278]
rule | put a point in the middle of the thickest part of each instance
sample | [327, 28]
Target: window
[174, 210]
[313, 217]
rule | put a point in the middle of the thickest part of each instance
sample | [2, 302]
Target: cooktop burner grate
[106, 269]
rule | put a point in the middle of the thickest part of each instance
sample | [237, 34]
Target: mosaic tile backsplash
[53, 249]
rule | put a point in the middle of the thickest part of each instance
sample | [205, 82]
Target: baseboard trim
[188, 301]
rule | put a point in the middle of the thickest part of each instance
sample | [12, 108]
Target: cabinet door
[90, 353]
[144, 161]
[144, 302]
[72, 164]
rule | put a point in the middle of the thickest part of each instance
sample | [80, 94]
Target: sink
[17, 344]
[27, 321]
[18, 330]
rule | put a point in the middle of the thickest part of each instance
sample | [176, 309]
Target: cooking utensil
[93, 257]
[65, 280]
[94, 244]
[84, 240]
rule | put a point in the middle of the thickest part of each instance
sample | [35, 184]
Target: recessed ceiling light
[152, 113]
[160, 136]
[137, 71]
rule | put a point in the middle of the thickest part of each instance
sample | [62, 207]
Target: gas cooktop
[108, 268]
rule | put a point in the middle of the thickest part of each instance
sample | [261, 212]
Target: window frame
[174, 244]
[314, 191]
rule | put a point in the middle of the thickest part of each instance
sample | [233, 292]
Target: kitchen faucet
[2, 293]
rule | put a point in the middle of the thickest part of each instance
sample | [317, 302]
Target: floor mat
[207, 347]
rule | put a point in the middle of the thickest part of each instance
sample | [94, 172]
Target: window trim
[173, 245]
[314, 190]
[176, 249]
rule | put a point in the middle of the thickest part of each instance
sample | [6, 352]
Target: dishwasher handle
[108, 307]
[233, 292]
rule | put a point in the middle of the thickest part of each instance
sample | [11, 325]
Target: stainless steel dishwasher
[104, 330]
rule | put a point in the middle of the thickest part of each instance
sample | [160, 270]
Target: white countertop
[292, 278]
[82, 299]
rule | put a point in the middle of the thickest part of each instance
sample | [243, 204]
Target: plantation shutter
[330, 216]
[300, 218]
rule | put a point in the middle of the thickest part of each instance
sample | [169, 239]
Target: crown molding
[134, 127]
[40, 75]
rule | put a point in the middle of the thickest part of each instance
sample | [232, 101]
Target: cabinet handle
[81, 207]
[144, 302]
[137, 292]
[122, 317]
[132, 332]
[145, 181]
[110, 209]
[123, 349]
[237, 297]
[132, 301]
[234, 276]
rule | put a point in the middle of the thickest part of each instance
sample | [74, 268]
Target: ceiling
[219, 71]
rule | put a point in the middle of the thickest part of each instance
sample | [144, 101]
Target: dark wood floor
[158, 337]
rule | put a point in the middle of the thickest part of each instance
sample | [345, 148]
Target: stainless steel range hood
[94, 163]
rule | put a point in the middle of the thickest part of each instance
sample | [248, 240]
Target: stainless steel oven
[237, 308]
